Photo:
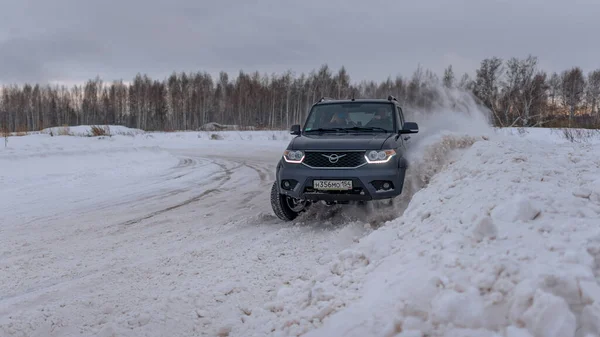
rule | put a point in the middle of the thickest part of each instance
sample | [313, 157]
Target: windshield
[355, 116]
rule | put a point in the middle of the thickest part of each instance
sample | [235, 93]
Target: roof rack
[392, 98]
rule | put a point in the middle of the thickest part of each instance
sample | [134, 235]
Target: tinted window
[348, 115]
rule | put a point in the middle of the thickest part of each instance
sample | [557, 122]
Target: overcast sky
[73, 40]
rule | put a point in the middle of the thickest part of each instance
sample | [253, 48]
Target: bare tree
[593, 91]
[511, 90]
[466, 83]
[554, 87]
[4, 129]
[573, 85]
[487, 83]
[449, 77]
[532, 87]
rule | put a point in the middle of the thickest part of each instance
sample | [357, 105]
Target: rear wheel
[285, 207]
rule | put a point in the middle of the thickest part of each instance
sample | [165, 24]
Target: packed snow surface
[172, 234]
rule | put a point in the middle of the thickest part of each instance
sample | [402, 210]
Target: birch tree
[572, 89]
[593, 92]
[487, 83]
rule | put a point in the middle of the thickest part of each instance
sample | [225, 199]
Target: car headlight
[293, 156]
[377, 157]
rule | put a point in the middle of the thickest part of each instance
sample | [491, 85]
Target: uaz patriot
[349, 150]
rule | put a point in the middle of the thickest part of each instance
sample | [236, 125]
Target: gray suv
[349, 150]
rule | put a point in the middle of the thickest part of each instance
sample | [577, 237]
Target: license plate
[339, 185]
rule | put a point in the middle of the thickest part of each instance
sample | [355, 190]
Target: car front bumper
[367, 181]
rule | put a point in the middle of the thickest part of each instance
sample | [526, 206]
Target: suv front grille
[345, 159]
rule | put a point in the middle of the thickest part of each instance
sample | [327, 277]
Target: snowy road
[176, 249]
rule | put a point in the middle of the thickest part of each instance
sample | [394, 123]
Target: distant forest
[516, 92]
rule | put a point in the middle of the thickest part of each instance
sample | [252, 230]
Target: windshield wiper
[367, 128]
[327, 130]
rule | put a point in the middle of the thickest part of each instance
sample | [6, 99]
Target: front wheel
[286, 208]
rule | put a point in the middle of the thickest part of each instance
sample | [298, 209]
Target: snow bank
[557, 135]
[504, 241]
[54, 140]
[86, 130]
[118, 130]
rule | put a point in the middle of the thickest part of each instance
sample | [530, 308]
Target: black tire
[281, 206]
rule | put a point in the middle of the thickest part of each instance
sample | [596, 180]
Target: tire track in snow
[260, 171]
[227, 173]
[170, 208]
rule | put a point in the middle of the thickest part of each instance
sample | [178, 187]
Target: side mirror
[295, 129]
[410, 127]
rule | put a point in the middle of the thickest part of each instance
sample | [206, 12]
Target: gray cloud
[69, 40]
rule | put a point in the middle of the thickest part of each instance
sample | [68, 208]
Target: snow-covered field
[171, 234]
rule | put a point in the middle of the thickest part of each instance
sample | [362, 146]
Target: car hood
[340, 141]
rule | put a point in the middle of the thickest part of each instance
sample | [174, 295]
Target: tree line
[519, 93]
[516, 92]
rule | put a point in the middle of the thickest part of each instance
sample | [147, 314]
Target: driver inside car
[340, 119]
[381, 119]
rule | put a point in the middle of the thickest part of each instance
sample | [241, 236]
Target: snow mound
[493, 244]
[236, 136]
[88, 130]
[556, 135]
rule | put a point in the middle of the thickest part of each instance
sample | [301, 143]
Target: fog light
[288, 184]
[383, 185]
